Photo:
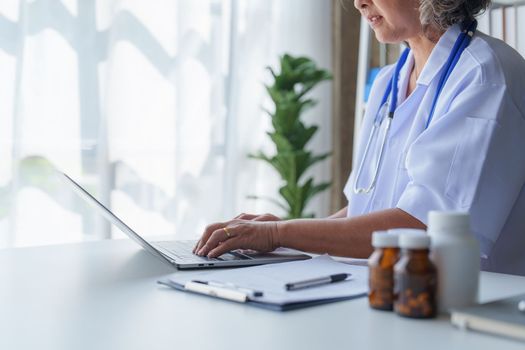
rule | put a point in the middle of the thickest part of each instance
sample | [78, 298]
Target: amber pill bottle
[381, 270]
[415, 278]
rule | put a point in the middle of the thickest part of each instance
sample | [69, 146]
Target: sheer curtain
[151, 105]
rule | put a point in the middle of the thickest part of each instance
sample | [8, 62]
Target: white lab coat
[470, 158]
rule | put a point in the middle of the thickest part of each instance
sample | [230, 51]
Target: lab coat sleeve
[469, 159]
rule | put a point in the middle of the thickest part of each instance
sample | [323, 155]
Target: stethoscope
[386, 111]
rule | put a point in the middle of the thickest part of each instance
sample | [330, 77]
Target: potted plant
[297, 76]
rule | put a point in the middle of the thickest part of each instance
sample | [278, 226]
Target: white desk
[103, 295]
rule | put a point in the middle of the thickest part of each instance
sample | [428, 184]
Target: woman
[459, 151]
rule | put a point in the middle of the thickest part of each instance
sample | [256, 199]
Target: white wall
[513, 32]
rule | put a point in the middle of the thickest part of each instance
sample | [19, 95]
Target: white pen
[521, 305]
[219, 292]
[249, 291]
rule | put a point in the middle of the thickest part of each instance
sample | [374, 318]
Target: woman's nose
[361, 4]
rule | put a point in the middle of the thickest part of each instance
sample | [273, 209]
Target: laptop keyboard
[183, 250]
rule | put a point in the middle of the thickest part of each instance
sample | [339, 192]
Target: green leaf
[272, 72]
[301, 139]
[260, 156]
[319, 158]
[281, 142]
[313, 190]
[300, 135]
[291, 195]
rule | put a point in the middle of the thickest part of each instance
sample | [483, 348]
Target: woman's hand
[220, 226]
[220, 238]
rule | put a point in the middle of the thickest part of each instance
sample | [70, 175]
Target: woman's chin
[385, 38]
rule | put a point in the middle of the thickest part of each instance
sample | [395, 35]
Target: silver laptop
[179, 253]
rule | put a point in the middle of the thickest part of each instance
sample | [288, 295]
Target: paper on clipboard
[271, 279]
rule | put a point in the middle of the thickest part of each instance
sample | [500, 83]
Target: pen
[521, 305]
[316, 281]
[223, 293]
[250, 292]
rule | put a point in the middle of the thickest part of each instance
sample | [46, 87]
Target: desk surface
[103, 295]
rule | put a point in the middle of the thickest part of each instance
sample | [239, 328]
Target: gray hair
[441, 14]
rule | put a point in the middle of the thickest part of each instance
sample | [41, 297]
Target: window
[152, 106]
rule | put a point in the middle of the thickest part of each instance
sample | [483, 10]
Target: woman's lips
[374, 20]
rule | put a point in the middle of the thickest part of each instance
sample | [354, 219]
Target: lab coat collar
[439, 55]
[404, 78]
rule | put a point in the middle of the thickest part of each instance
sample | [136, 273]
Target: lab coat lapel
[413, 104]
[439, 56]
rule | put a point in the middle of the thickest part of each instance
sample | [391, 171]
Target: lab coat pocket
[469, 158]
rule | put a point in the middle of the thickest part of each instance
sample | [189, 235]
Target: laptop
[179, 252]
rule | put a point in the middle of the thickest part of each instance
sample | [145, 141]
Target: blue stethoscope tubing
[391, 92]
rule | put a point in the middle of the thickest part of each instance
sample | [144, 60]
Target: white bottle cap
[414, 241]
[408, 231]
[448, 221]
[383, 239]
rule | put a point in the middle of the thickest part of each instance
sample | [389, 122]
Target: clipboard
[271, 281]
